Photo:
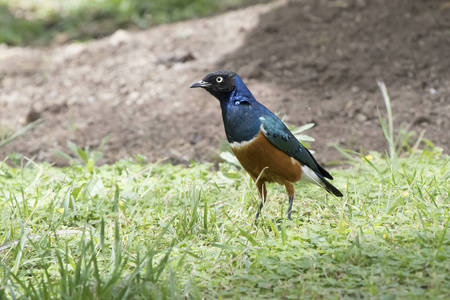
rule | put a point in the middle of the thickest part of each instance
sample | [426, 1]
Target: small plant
[86, 156]
[388, 130]
[6, 138]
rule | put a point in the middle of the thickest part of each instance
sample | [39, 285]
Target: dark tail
[324, 172]
[330, 188]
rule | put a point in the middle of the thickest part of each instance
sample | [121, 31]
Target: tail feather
[314, 177]
[331, 188]
[324, 172]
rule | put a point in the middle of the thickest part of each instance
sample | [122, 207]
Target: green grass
[130, 230]
[137, 231]
[31, 22]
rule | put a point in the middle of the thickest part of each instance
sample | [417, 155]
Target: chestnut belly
[260, 154]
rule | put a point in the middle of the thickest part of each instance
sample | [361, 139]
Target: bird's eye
[219, 79]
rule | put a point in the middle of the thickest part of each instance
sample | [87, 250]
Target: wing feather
[280, 136]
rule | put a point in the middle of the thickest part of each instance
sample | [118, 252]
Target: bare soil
[313, 61]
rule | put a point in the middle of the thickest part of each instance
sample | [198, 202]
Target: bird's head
[219, 83]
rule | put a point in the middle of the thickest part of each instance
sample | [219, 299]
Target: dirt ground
[311, 60]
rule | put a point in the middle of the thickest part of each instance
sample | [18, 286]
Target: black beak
[200, 84]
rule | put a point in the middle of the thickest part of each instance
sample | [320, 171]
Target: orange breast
[259, 153]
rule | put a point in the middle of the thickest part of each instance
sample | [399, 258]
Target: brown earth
[312, 60]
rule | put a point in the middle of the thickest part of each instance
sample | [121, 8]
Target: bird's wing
[280, 136]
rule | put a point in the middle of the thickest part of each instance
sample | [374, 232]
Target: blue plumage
[271, 152]
[240, 113]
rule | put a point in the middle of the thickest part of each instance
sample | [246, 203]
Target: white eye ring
[219, 79]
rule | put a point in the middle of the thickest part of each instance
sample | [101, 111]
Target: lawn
[136, 230]
[39, 22]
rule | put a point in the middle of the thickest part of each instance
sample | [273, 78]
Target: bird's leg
[259, 210]
[290, 191]
[262, 193]
[291, 201]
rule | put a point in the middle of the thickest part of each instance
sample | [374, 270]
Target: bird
[262, 143]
